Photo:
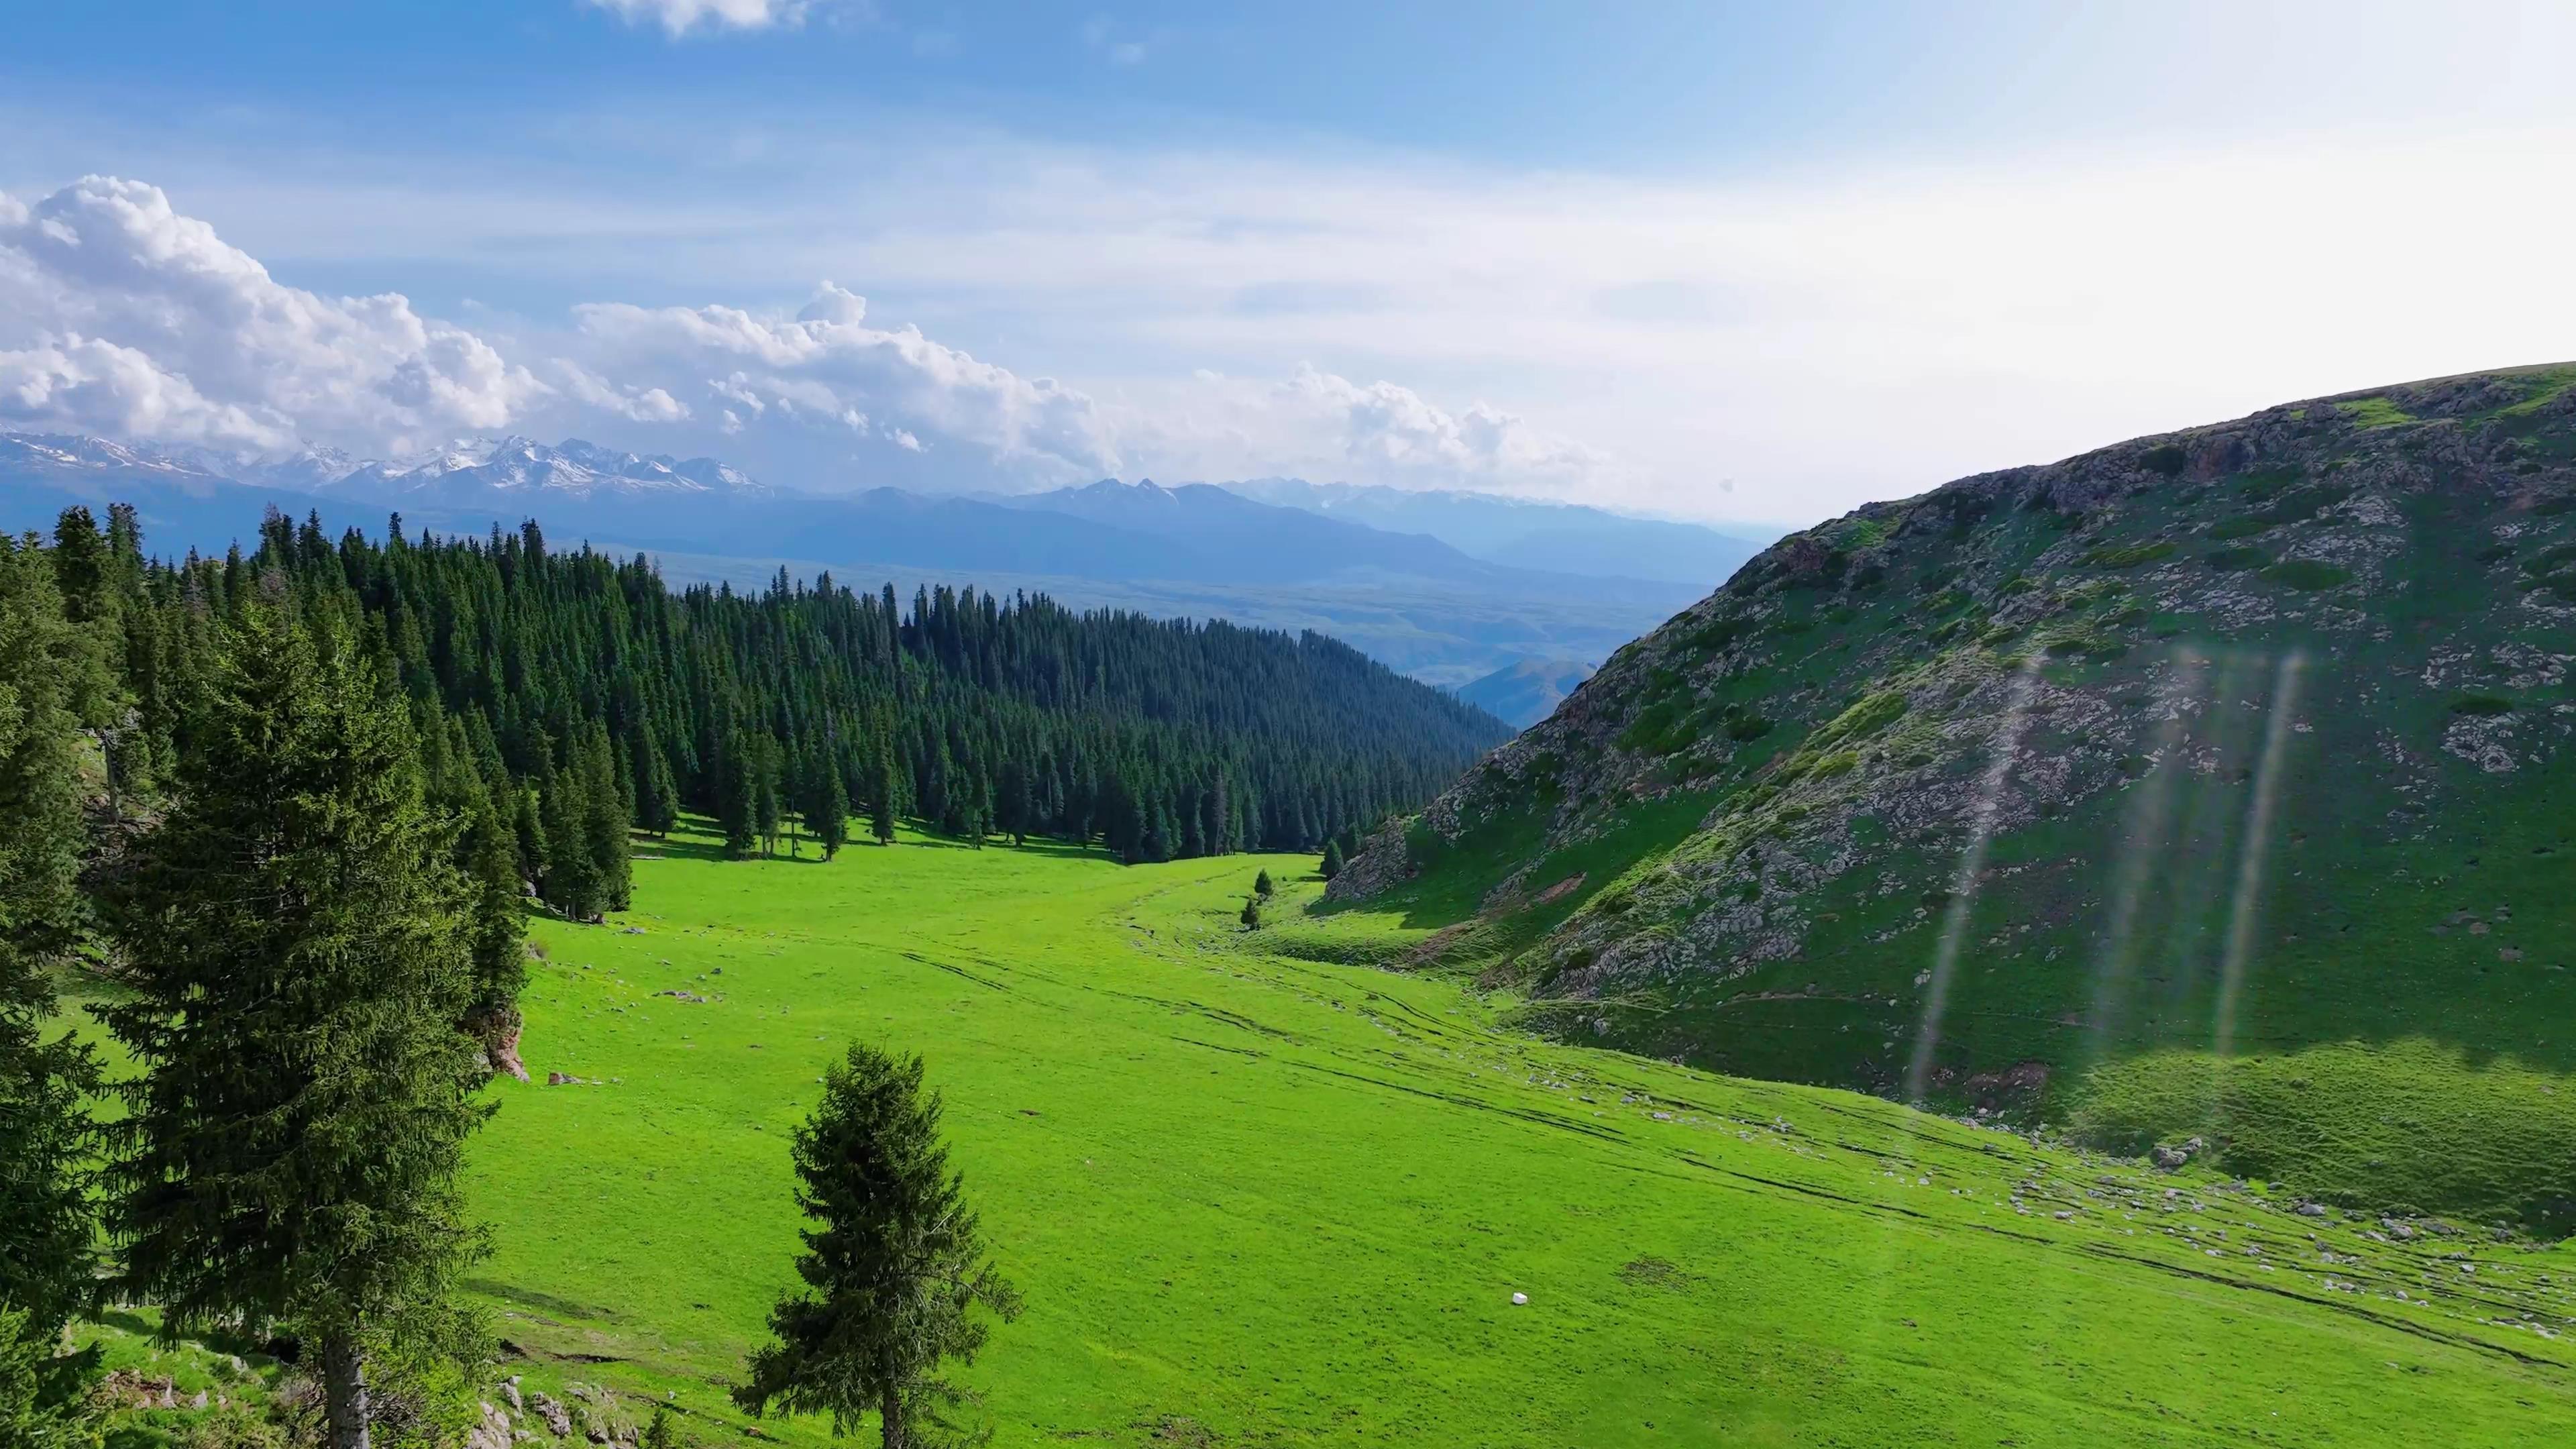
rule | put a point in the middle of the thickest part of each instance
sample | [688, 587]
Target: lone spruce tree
[1332, 863]
[300, 963]
[894, 1267]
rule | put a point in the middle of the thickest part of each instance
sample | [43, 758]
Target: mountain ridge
[2241, 743]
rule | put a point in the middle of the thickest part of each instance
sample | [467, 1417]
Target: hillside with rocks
[2208, 786]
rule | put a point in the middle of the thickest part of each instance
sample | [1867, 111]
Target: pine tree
[766, 813]
[827, 805]
[881, 800]
[528, 832]
[1261, 885]
[738, 797]
[299, 961]
[1251, 913]
[571, 881]
[45, 1225]
[894, 1267]
[607, 817]
[1332, 864]
[496, 933]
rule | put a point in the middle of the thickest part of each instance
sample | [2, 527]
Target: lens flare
[1972, 867]
[2251, 852]
[2150, 817]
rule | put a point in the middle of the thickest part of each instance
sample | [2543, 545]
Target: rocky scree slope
[2223, 746]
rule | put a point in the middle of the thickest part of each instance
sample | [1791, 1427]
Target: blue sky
[1758, 262]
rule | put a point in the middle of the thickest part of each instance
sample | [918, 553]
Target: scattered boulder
[1520, 1300]
[2310, 1209]
[490, 1431]
[549, 1408]
[2170, 1157]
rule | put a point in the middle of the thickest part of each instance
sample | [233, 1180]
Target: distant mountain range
[1523, 693]
[1526, 533]
[1447, 587]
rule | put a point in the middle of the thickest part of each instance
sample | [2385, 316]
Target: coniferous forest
[582, 695]
[294, 800]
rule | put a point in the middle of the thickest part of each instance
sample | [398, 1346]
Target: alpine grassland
[1258, 1188]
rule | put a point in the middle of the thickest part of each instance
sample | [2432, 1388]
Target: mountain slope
[1522, 693]
[2139, 791]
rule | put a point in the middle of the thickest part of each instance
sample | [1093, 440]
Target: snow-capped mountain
[463, 471]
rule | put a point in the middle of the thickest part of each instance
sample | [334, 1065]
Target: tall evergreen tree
[571, 882]
[882, 800]
[607, 816]
[827, 804]
[45, 1226]
[738, 795]
[495, 931]
[1332, 863]
[299, 959]
[895, 1266]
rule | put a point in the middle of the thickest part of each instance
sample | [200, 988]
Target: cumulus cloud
[828, 366]
[118, 315]
[1394, 425]
[679, 17]
[636, 405]
[121, 316]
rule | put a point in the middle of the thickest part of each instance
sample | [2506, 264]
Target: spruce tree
[571, 882]
[881, 800]
[608, 814]
[827, 805]
[766, 813]
[1251, 917]
[496, 933]
[1332, 863]
[1261, 885]
[45, 1225]
[738, 796]
[299, 961]
[895, 1266]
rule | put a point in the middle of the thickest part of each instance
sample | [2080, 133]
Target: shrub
[2165, 458]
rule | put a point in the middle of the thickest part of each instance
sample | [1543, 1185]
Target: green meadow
[1259, 1191]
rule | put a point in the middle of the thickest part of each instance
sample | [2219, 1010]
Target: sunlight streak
[2251, 851]
[2150, 815]
[1972, 866]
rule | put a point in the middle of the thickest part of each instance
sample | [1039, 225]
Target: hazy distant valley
[1447, 587]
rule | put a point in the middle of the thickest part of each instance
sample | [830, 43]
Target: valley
[1260, 1189]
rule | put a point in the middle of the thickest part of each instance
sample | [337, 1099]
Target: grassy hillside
[2150, 791]
[1259, 1191]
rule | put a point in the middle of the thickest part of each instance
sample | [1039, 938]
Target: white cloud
[827, 364]
[636, 405]
[679, 17]
[1326, 426]
[119, 315]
